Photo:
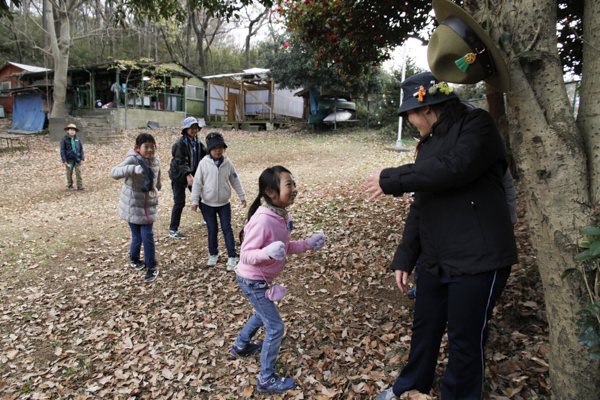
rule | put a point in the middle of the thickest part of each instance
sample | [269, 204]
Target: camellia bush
[349, 34]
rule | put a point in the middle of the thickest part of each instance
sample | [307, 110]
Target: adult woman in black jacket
[187, 152]
[461, 225]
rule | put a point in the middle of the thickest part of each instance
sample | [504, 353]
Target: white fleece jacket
[213, 184]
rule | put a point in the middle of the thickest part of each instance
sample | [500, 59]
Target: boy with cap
[212, 192]
[71, 153]
[187, 152]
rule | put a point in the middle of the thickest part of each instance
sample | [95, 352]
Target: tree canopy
[351, 35]
[292, 66]
[570, 32]
[168, 9]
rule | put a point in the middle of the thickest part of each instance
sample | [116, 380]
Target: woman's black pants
[464, 303]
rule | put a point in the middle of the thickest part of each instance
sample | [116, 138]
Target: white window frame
[189, 89]
[5, 85]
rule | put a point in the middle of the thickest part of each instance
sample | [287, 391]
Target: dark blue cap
[423, 90]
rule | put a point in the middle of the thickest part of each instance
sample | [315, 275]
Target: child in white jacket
[212, 183]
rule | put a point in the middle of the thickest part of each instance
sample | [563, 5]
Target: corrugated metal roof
[29, 68]
[251, 71]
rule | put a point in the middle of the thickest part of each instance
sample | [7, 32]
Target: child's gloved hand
[138, 170]
[276, 250]
[316, 241]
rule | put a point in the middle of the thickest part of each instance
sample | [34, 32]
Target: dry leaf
[247, 392]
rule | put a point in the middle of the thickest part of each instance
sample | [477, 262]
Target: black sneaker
[151, 275]
[70, 188]
[176, 235]
[139, 265]
[250, 348]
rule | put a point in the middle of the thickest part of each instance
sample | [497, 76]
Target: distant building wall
[140, 118]
[8, 82]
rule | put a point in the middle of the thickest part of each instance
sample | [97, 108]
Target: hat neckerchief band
[477, 46]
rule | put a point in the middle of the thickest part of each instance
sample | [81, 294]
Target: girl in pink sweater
[262, 257]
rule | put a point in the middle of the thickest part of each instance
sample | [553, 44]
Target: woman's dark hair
[144, 138]
[269, 179]
[448, 112]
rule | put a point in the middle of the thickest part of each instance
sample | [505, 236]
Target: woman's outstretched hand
[373, 187]
[401, 278]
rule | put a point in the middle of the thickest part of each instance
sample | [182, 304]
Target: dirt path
[77, 322]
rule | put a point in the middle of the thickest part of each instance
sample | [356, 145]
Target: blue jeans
[142, 234]
[210, 217]
[266, 315]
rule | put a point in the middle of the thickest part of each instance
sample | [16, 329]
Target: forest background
[207, 43]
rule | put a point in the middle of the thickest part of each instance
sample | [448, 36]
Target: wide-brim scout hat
[72, 126]
[460, 51]
[423, 90]
[214, 139]
[188, 122]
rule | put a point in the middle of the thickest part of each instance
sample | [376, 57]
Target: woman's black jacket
[182, 163]
[459, 220]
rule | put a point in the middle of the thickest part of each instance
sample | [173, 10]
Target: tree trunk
[200, 33]
[155, 36]
[552, 163]
[166, 39]
[111, 41]
[587, 119]
[188, 40]
[60, 44]
[495, 100]
[252, 29]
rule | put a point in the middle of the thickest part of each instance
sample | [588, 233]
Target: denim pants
[210, 217]
[267, 315]
[142, 234]
[178, 206]
[464, 303]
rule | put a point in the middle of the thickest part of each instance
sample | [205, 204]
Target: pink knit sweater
[264, 228]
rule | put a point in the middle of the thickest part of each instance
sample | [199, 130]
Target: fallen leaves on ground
[78, 322]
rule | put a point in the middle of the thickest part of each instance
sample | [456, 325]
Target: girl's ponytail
[254, 206]
[268, 180]
[251, 212]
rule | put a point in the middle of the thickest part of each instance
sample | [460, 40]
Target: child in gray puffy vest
[138, 204]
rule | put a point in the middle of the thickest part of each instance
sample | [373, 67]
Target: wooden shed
[250, 97]
[10, 74]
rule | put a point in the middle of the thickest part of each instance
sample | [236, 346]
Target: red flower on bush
[286, 44]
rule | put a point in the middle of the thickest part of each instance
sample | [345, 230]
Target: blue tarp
[27, 112]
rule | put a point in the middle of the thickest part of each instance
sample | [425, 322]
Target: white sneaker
[212, 261]
[387, 394]
[231, 263]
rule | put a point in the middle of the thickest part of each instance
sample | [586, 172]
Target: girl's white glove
[276, 250]
[138, 170]
[316, 241]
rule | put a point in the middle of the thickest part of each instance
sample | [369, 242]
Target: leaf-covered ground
[77, 322]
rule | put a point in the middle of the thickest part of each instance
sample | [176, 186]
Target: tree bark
[60, 44]
[169, 47]
[553, 166]
[252, 29]
[495, 100]
[587, 119]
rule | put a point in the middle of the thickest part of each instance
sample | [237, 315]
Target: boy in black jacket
[71, 152]
[187, 152]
